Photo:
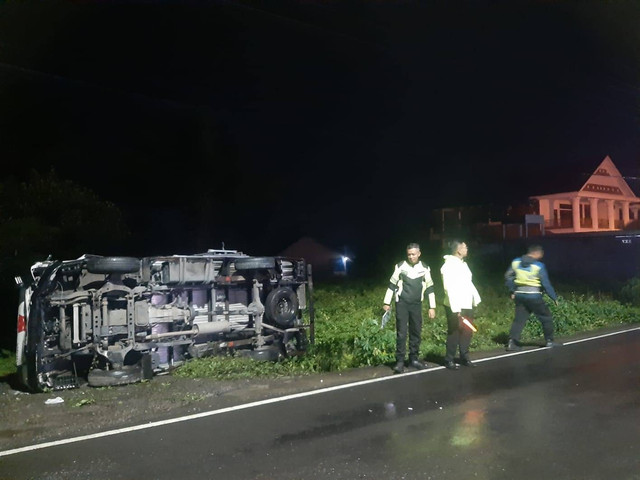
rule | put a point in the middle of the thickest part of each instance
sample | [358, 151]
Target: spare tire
[113, 265]
[282, 306]
[255, 263]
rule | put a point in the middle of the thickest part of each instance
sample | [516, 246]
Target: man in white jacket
[461, 296]
[409, 284]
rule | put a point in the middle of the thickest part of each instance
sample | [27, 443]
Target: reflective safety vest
[526, 276]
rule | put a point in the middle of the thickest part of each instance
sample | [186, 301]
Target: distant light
[345, 260]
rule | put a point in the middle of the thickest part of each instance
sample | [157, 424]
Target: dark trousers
[458, 334]
[408, 318]
[526, 304]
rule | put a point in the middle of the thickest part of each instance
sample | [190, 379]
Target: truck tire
[282, 306]
[136, 372]
[113, 265]
[255, 263]
[108, 378]
[266, 354]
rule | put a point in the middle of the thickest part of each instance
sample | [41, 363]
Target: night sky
[257, 122]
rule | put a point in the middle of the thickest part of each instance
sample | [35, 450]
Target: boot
[512, 346]
[451, 365]
[417, 364]
[399, 368]
[468, 363]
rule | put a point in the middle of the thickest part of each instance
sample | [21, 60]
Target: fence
[593, 257]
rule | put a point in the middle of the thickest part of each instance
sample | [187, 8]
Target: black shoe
[512, 346]
[399, 368]
[451, 365]
[551, 344]
[468, 363]
[417, 364]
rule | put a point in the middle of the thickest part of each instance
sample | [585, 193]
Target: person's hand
[513, 295]
[432, 313]
[386, 307]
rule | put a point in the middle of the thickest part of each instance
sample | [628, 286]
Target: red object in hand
[469, 324]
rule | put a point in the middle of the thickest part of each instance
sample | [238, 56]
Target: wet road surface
[571, 412]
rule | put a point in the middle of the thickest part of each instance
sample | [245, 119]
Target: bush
[630, 292]
[7, 363]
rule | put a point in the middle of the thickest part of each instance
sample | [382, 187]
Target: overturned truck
[117, 320]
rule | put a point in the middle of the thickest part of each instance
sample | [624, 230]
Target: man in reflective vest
[527, 280]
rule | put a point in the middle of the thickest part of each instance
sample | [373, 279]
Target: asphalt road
[571, 412]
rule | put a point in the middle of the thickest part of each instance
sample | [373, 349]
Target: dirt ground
[27, 419]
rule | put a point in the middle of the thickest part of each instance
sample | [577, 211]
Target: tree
[47, 215]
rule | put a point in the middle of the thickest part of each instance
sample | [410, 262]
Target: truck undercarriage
[118, 320]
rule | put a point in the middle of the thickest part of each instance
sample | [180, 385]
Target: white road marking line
[245, 406]
[600, 336]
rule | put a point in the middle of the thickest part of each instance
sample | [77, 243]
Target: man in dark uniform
[410, 280]
[527, 280]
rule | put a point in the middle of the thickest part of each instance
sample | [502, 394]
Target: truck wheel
[265, 354]
[113, 265]
[255, 263]
[108, 378]
[282, 306]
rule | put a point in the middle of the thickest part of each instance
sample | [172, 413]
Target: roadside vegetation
[7, 362]
[348, 333]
